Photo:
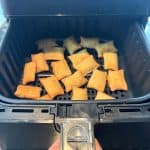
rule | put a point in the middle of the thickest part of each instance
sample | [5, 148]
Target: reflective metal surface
[76, 134]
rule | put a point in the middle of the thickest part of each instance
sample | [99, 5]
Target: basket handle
[77, 134]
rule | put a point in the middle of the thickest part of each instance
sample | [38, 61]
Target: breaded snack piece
[103, 96]
[52, 86]
[110, 61]
[87, 65]
[29, 72]
[77, 58]
[54, 56]
[46, 43]
[75, 80]
[105, 47]
[60, 69]
[89, 42]
[26, 91]
[116, 80]
[79, 94]
[41, 64]
[97, 80]
[71, 44]
[54, 49]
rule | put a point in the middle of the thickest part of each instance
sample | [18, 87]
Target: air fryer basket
[19, 44]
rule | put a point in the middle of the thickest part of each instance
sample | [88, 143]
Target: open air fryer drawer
[127, 33]
[115, 20]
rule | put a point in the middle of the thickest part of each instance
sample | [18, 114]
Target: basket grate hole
[2, 110]
[129, 110]
[122, 95]
[116, 92]
[44, 110]
[23, 110]
[108, 110]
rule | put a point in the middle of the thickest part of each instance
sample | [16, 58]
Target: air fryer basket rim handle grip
[77, 133]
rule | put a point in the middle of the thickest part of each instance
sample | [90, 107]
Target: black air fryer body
[121, 21]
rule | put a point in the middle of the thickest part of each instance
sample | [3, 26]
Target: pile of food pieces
[83, 73]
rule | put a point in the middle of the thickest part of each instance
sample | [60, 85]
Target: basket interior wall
[19, 44]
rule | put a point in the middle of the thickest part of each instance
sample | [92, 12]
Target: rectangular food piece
[103, 96]
[52, 86]
[26, 91]
[46, 43]
[75, 80]
[89, 42]
[87, 65]
[110, 61]
[77, 58]
[60, 69]
[79, 94]
[54, 49]
[98, 80]
[44, 97]
[71, 44]
[29, 72]
[116, 80]
[105, 47]
[41, 64]
[53, 56]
